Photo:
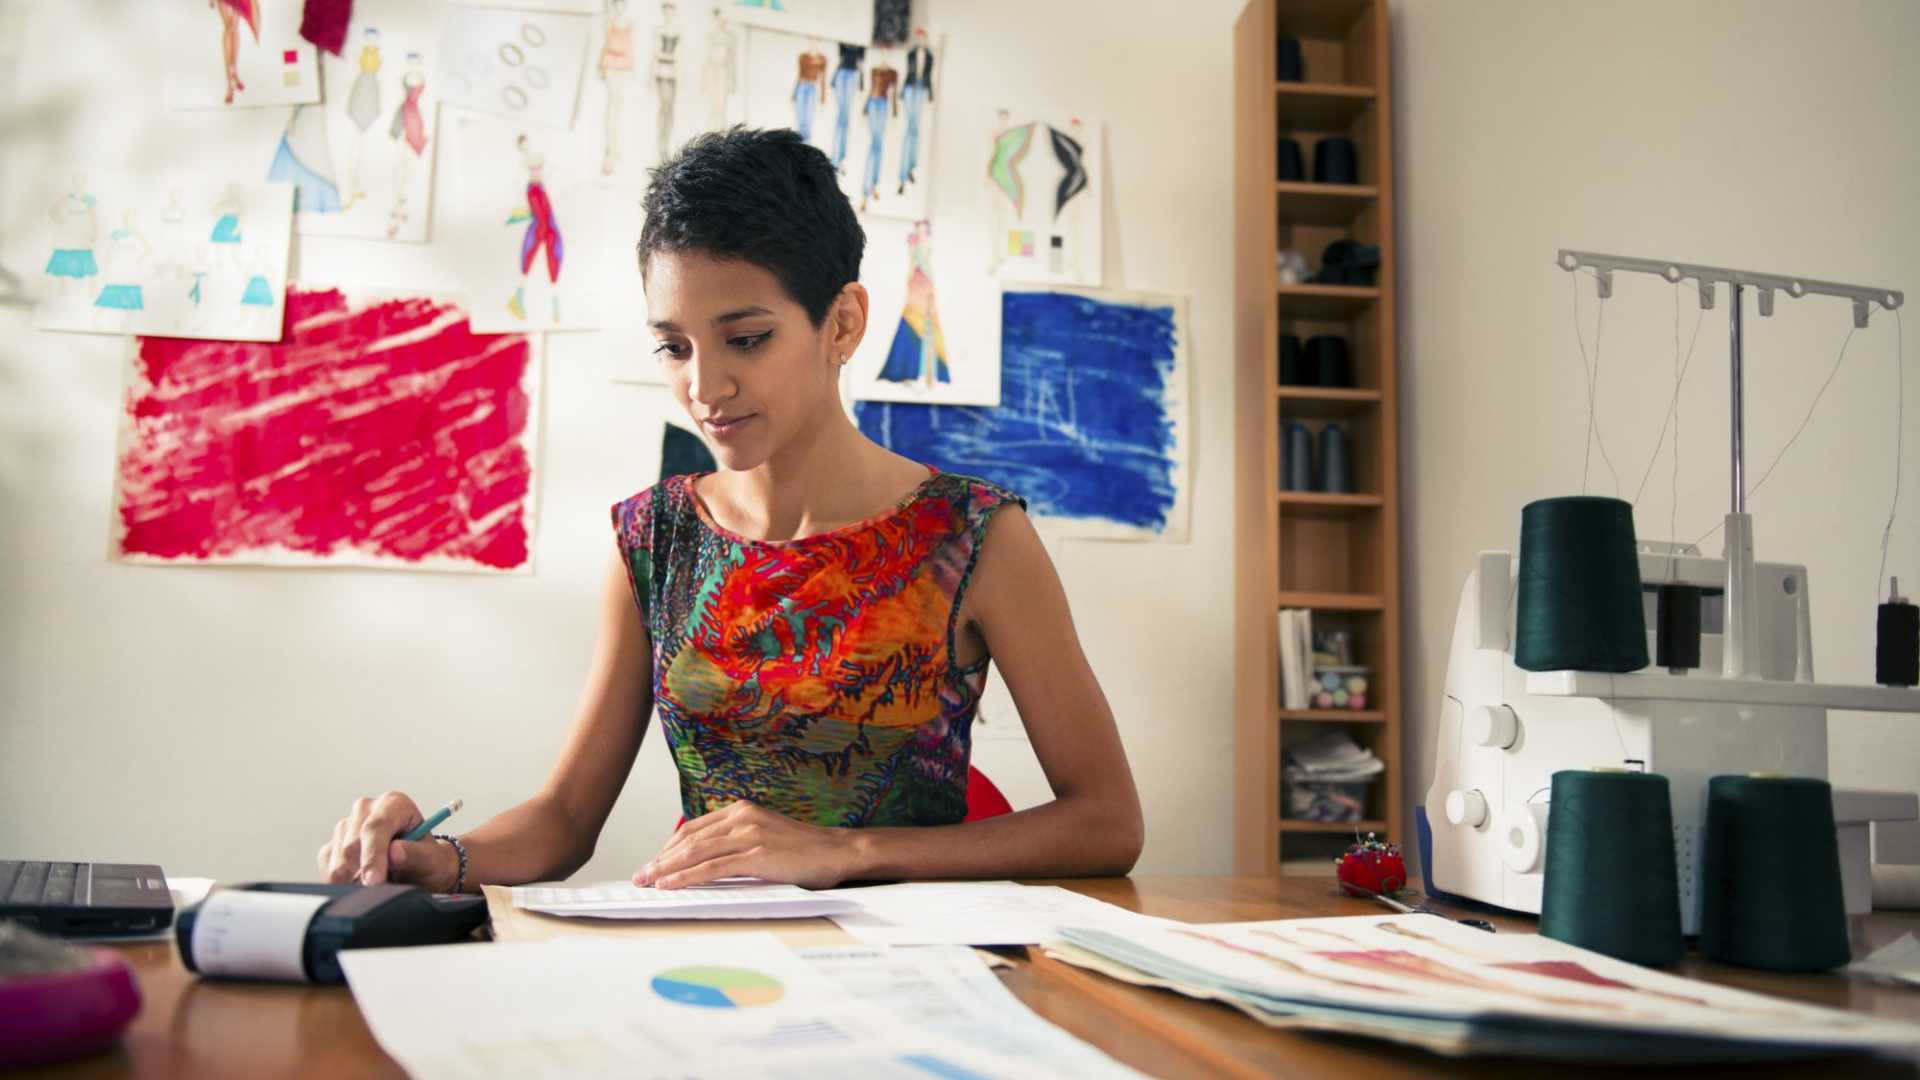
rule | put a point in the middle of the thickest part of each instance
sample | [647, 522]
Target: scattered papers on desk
[975, 913]
[1455, 990]
[951, 991]
[744, 899]
[1897, 961]
[680, 1007]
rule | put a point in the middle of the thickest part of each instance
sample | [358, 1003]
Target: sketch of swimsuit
[721, 77]
[363, 106]
[666, 80]
[72, 256]
[410, 127]
[616, 66]
[304, 162]
[881, 103]
[808, 89]
[124, 250]
[1069, 152]
[847, 82]
[919, 352]
[1009, 149]
[916, 94]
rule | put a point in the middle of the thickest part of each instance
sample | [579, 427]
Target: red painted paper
[381, 432]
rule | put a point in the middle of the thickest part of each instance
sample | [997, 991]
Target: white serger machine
[1504, 732]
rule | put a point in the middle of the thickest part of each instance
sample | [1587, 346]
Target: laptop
[85, 899]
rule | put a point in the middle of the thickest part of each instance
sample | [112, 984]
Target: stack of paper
[975, 913]
[741, 899]
[1332, 758]
[1454, 990]
[735, 1005]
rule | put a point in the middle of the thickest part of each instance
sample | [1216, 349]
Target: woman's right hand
[366, 847]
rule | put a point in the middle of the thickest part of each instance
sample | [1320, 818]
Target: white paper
[656, 76]
[272, 63]
[737, 1004]
[624, 900]
[1896, 961]
[256, 935]
[951, 991]
[520, 65]
[172, 255]
[1041, 178]
[371, 176]
[975, 913]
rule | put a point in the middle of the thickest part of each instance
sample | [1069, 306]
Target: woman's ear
[847, 322]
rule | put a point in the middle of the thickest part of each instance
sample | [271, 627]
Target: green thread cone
[1770, 881]
[1611, 884]
[1579, 604]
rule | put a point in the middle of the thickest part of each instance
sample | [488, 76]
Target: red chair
[983, 799]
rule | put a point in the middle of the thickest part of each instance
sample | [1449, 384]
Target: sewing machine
[1504, 732]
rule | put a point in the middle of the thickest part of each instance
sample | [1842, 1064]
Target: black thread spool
[1896, 649]
[1336, 472]
[1579, 605]
[1288, 65]
[1297, 475]
[1290, 373]
[1676, 642]
[1770, 889]
[1326, 362]
[1336, 160]
[1293, 161]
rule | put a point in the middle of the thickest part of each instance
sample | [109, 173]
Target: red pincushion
[1373, 865]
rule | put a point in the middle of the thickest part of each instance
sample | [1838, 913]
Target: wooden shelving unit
[1337, 554]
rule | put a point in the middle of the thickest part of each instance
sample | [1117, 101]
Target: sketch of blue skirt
[258, 293]
[73, 263]
[227, 229]
[121, 297]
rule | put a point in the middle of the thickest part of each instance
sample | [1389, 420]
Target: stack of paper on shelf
[1455, 990]
[1333, 757]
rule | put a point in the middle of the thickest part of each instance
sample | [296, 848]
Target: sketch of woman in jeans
[808, 88]
[847, 81]
[882, 101]
[916, 94]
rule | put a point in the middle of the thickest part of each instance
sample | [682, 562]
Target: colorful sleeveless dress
[817, 676]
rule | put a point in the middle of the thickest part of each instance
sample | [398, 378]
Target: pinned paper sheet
[739, 900]
[976, 913]
[253, 935]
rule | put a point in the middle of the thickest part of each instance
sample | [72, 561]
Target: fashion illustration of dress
[304, 162]
[543, 233]
[1069, 151]
[847, 82]
[616, 67]
[258, 293]
[73, 254]
[666, 82]
[363, 101]
[123, 247]
[808, 89]
[919, 352]
[408, 123]
[880, 104]
[1009, 148]
[227, 229]
[721, 77]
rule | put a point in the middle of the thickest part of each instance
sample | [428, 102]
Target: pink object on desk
[66, 1014]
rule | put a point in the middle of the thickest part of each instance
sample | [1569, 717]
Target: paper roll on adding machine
[1750, 703]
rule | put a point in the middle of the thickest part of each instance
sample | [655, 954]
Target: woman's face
[745, 362]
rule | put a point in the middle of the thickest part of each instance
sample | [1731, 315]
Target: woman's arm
[1092, 827]
[553, 833]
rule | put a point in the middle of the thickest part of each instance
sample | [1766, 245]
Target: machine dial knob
[1468, 808]
[1494, 725]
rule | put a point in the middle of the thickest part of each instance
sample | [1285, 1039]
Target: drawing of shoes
[515, 306]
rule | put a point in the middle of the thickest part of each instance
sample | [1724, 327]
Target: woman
[814, 620]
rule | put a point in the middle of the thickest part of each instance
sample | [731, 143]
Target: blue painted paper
[1091, 421]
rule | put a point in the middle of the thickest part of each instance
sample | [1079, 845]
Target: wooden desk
[198, 1028]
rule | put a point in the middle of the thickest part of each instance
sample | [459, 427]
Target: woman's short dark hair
[760, 196]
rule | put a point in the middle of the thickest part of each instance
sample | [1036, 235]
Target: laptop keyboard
[37, 882]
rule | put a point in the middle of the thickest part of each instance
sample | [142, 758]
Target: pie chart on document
[718, 987]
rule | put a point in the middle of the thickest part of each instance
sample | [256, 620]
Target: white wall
[219, 720]
[1770, 135]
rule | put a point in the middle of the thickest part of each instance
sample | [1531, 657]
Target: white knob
[1494, 725]
[1467, 808]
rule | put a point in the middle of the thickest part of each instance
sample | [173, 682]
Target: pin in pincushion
[1374, 865]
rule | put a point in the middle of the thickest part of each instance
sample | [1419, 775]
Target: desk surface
[191, 1027]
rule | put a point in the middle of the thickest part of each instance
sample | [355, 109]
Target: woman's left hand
[744, 840]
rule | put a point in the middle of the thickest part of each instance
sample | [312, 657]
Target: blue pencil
[421, 831]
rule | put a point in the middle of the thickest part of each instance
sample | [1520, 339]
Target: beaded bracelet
[460, 849]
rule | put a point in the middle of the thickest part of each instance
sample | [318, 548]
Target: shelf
[1323, 204]
[1287, 825]
[1327, 503]
[1330, 107]
[1335, 716]
[1660, 686]
[1330, 601]
[1325, 402]
[1332, 303]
